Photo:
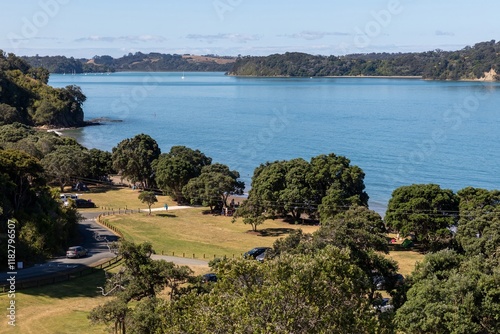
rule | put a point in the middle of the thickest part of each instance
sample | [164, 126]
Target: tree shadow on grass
[166, 215]
[85, 286]
[274, 232]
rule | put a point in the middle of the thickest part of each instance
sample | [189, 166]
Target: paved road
[95, 238]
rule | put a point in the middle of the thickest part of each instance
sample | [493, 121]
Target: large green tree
[337, 184]
[43, 226]
[358, 229]
[320, 292]
[174, 169]
[66, 163]
[100, 166]
[214, 185]
[327, 185]
[282, 187]
[133, 158]
[425, 210]
[478, 229]
[451, 293]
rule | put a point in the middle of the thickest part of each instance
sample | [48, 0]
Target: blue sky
[248, 27]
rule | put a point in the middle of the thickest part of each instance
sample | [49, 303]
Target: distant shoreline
[59, 129]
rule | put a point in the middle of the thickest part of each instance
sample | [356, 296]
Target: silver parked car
[76, 252]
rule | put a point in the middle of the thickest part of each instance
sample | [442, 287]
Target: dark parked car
[382, 283]
[254, 253]
[76, 252]
[210, 277]
[83, 203]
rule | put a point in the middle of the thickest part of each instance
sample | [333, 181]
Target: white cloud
[130, 39]
[238, 38]
[314, 35]
[444, 33]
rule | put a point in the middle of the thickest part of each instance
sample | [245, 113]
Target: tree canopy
[325, 187]
[469, 63]
[25, 96]
[133, 158]
[140, 280]
[213, 187]
[425, 210]
[43, 226]
[174, 169]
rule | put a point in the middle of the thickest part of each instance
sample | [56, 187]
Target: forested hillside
[480, 61]
[26, 98]
[152, 62]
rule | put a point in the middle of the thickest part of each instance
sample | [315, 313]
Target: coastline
[59, 130]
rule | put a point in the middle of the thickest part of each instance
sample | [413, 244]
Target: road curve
[96, 239]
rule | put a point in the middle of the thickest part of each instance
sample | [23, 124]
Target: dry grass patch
[59, 308]
[120, 198]
[191, 232]
[406, 260]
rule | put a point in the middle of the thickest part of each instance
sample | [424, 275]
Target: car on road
[76, 252]
[83, 203]
[256, 253]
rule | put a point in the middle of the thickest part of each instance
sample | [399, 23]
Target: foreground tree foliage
[453, 294]
[425, 210]
[458, 291]
[139, 280]
[133, 158]
[322, 292]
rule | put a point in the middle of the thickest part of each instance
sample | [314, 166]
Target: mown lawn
[64, 307]
[59, 308]
[190, 231]
[119, 198]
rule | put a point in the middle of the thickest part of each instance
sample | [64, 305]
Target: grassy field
[63, 308]
[119, 198]
[189, 231]
[59, 308]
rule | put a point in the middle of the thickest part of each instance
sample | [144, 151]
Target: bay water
[399, 131]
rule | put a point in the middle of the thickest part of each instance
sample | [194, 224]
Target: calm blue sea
[399, 131]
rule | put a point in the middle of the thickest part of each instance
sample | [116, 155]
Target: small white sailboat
[182, 75]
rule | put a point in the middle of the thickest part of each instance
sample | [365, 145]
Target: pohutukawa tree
[133, 158]
[174, 170]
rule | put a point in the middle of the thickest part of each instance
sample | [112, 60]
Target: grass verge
[191, 232]
[59, 308]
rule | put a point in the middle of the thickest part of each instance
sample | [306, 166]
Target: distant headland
[478, 62]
